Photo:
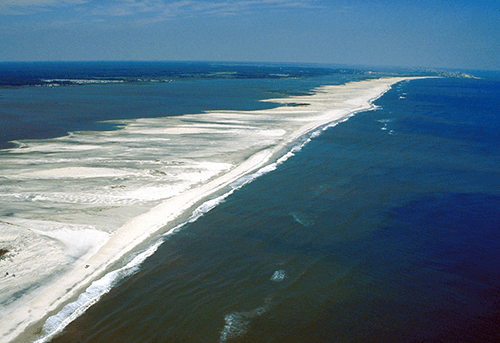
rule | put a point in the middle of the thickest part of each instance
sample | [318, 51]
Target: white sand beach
[62, 256]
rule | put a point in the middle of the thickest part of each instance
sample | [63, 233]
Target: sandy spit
[328, 105]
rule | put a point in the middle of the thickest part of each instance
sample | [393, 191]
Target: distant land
[53, 74]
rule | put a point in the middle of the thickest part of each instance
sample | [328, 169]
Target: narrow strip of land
[327, 105]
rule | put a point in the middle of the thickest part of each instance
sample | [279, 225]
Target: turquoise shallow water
[383, 228]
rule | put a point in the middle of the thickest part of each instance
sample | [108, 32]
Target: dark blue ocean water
[384, 228]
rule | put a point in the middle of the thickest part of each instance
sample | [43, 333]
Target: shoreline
[328, 105]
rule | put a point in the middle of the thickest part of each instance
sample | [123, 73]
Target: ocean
[380, 228]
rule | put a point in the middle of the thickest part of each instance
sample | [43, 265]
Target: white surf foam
[236, 324]
[278, 276]
[55, 324]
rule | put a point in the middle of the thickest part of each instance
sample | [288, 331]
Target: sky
[458, 34]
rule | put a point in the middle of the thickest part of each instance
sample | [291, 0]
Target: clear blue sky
[422, 33]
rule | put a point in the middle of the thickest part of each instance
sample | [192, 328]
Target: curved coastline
[328, 105]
